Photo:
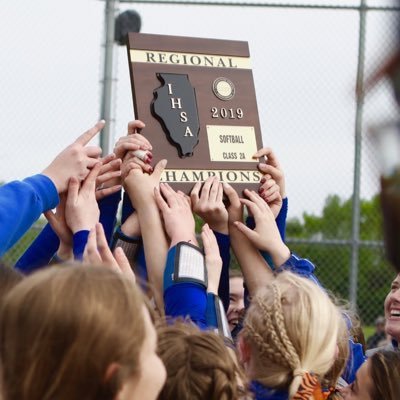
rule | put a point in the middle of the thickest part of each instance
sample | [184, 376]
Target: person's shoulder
[388, 346]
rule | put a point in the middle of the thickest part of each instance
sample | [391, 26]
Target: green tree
[333, 261]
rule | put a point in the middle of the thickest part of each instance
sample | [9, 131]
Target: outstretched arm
[39, 193]
[140, 187]
[256, 272]
[208, 204]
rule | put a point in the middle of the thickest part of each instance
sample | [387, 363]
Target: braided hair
[292, 329]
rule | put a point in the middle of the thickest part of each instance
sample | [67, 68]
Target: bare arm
[256, 271]
[140, 187]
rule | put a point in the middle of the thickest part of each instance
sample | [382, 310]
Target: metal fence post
[111, 6]
[355, 229]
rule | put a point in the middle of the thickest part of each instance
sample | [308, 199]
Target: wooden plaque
[197, 99]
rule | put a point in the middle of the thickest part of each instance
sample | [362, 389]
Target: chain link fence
[307, 57]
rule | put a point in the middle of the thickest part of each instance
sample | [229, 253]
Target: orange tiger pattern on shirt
[309, 387]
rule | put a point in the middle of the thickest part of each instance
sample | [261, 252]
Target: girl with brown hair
[377, 379]
[78, 333]
[199, 364]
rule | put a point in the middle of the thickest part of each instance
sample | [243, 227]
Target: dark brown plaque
[197, 99]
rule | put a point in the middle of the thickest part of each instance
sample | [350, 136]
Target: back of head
[292, 328]
[385, 375]
[331, 379]
[199, 365]
[9, 277]
[60, 330]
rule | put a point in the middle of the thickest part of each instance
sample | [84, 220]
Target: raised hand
[109, 179]
[235, 208]
[140, 187]
[134, 146]
[269, 191]
[177, 214]
[209, 205]
[266, 235]
[213, 259]
[271, 167]
[82, 211]
[140, 184]
[76, 160]
[132, 141]
[97, 252]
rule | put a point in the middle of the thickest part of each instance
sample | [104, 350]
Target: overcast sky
[304, 66]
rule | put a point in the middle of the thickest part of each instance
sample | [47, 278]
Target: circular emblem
[223, 88]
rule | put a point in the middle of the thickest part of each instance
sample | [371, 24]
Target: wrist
[56, 181]
[221, 227]
[64, 251]
[213, 289]
[179, 237]
[280, 254]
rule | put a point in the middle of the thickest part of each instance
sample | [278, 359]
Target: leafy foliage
[333, 261]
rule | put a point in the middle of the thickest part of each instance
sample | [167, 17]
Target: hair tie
[309, 386]
[299, 372]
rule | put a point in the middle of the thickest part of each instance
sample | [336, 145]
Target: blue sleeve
[224, 244]
[108, 207]
[356, 359]
[280, 223]
[211, 315]
[281, 218]
[183, 299]
[21, 203]
[80, 239]
[40, 252]
[187, 300]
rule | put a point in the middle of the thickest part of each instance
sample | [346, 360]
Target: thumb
[262, 152]
[159, 168]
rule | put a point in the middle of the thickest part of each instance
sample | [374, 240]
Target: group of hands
[82, 178]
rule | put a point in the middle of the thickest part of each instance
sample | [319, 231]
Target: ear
[244, 351]
[111, 373]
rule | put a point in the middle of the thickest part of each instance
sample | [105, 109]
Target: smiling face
[236, 301]
[392, 309]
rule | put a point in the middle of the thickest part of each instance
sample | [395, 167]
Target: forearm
[155, 246]
[256, 271]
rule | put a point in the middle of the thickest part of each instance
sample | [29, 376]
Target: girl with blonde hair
[289, 339]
